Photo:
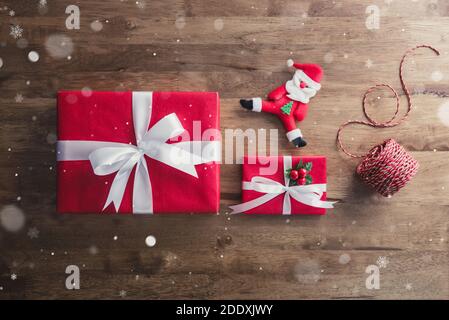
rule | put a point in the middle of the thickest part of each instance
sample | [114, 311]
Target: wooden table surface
[239, 49]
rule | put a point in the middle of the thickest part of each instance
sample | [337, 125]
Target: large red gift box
[104, 168]
[268, 187]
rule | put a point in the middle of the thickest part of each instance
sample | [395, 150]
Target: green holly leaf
[287, 172]
[293, 183]
[299, 165]
[308, 179]
[308, 166]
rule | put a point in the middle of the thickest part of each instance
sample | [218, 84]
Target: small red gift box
[138, 152]
[284, 185]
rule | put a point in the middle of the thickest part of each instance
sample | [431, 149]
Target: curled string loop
[395, 120]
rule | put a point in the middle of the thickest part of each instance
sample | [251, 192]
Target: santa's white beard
[296, 92]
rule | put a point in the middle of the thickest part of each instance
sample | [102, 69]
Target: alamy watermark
[259, 146]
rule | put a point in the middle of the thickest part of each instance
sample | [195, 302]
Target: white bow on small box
[307, 194]
[110, 157]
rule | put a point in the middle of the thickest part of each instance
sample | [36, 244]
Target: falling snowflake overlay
[33, 233]
[382, 262]
[13, 276]
[18, 98]
[16, 31]
[369, 63]
[42, 3]
[141, 4]
[122, 293]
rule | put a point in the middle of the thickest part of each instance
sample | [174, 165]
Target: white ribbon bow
[307, 194]
[109, 157]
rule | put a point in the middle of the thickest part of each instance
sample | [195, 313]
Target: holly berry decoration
[300, 175]
[303, 171]
[294, 174]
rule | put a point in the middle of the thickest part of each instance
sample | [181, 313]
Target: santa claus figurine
[290, 101]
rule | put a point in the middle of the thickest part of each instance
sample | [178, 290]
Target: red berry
[302, 181]
[302, 172]
[294, 175]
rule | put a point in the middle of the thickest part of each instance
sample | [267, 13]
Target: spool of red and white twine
[387, 167]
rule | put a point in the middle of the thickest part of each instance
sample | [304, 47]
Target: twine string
[394, 121]
[387, 167]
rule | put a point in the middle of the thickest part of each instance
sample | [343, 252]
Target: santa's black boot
[299, 142]
[247, 104]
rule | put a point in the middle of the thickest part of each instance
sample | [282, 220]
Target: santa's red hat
[313, 72]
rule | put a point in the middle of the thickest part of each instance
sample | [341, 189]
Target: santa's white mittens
[257, 104]
[293, 134]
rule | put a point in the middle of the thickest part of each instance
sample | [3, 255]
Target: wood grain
[174, 45]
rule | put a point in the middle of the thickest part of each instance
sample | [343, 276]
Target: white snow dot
[12, 218]
[1, 62]
[115, 238]
[443, 113]
[96, 25]
[33, 56]
[328, 57]
[344, 258]
[59, 46]
[180, 22]
[86, 92]
[71, 98]
[437, 76]
[218, 24]
[150, 241]
[307, 271]
[93, 250]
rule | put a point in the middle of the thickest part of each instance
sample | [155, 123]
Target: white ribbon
[307, 194]
[110, 157]
[301, 94]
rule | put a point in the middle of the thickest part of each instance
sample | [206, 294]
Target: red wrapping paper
[251, 168]
[107, 116]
